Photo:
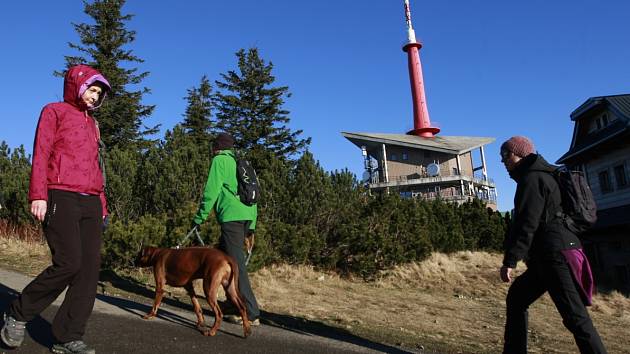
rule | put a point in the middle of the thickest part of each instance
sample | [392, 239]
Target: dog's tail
[234, 278]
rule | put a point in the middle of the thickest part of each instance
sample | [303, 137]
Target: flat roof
[447, 144]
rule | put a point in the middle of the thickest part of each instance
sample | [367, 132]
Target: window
[601, 122]
[393, 157]
[604, 182]
[620, 176]
[405, 156]
[455, 173]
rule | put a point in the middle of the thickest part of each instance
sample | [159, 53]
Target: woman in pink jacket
[67, 194]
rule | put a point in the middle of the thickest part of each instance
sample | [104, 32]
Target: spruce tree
[251, 109]
[104, 46]
[197, 121]
[15, 171]
[172, 174]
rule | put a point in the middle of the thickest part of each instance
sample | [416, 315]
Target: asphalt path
[116, 326]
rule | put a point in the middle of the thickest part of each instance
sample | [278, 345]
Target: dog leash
[249, 255]
[194, 229]
[250, 247]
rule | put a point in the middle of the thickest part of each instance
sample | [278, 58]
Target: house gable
[597, 121]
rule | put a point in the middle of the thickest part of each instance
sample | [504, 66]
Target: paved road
[116, 326]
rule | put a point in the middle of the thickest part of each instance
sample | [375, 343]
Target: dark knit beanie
[519, 146]
[223, 141]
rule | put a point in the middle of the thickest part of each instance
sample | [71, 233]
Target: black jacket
[535, 232]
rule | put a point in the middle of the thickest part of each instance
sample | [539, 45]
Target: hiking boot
[73, 347]
[239, 320]
[12, 332]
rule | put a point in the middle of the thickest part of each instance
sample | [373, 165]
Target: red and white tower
[421, 122]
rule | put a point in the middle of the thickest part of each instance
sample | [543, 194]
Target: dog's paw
[209, 332]
[148, 316]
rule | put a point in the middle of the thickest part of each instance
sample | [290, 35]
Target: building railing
[447, 187]
[451, 195]
[402, 180]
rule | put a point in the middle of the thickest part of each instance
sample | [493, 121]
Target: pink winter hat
[519, 146]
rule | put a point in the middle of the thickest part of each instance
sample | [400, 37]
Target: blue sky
[491, 68]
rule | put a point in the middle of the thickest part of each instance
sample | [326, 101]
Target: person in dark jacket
[237, 220]
[553, 254]
[67, 194]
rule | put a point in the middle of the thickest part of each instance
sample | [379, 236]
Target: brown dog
[179, 267]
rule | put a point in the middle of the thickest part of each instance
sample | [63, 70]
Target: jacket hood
[530, 163]
[78, 78]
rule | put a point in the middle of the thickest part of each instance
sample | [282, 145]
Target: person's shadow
[38, 329]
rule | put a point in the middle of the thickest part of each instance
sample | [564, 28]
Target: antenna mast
[421, 121]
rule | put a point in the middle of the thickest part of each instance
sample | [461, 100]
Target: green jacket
[221, 193]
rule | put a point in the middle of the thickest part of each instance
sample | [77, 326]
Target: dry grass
[448, 303]
[23, 249]
[452, 303]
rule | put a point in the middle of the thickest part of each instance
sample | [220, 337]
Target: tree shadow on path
[303, 326]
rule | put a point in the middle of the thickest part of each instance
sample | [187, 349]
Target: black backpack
[579, 209]
[248, 187]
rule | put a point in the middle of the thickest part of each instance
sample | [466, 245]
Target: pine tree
[15, 171]
[172, 174]
[103, 47]
[252, 111]
[197, 121]
[122, 166]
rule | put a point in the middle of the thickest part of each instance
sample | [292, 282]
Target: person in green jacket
[237, 220]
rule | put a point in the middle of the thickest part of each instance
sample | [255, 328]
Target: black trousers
[73, 229]
[231, 242]
[552, 275]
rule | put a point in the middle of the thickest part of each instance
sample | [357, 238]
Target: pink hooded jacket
[65, 152]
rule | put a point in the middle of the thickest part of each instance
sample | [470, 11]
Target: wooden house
[600, 147]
